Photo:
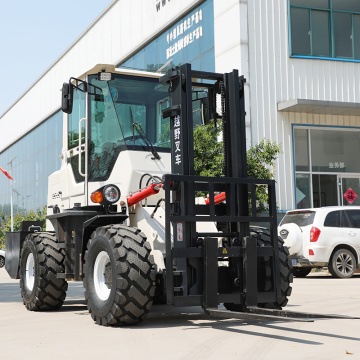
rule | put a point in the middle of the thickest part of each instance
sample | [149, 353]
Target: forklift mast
[197, 269]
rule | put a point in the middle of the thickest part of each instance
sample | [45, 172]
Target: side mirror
[67, 98]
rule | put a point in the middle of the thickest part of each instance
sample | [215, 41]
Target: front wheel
[342, 264]
[119, 280]
[40, 263]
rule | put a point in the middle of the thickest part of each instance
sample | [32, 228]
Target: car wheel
[301, 272]
[2, 261]
[342, 264]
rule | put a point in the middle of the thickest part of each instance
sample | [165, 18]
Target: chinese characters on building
[177, 140]
[336, 165]
[184, 34]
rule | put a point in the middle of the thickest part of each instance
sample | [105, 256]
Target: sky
[33, 34]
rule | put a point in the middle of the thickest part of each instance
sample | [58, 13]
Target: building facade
[300, 59]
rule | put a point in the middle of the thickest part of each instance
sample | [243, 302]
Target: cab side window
[332, 219]
[77, 114]
[353, 218]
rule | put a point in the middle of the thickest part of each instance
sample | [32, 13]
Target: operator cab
[124, 112]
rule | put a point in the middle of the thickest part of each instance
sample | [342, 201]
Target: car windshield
[300, 218]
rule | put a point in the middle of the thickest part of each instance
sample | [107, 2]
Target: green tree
[38, 215]
[209, 161]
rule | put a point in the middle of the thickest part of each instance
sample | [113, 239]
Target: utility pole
[11, 197]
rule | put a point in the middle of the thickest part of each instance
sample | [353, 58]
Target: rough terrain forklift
[124, 216]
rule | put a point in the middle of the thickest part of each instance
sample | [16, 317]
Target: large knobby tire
[39, 264]
[342, 264]
[264, 271]
[301, 272]
[119, 278]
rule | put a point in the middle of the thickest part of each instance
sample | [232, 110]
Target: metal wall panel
[273, 76]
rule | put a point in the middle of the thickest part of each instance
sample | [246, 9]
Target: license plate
[294, 261]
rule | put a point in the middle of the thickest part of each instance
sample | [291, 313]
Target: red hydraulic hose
[142, 194]
[217, 198]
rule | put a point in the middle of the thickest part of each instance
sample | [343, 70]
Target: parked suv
[318, 237]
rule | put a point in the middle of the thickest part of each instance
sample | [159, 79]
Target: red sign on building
[350, 195]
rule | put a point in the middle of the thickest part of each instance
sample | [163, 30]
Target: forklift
[124, 213]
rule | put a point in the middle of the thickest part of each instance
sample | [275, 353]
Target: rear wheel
[301, 272]
[118, 277]
[39, 264]
[2, 261]
[342, 264]
[265, 272]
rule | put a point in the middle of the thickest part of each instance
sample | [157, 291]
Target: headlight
[111, 193]
[106, 195]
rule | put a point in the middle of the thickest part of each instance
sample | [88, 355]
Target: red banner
[6, 173]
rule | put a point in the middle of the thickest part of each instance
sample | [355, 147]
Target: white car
[320, 237]
[2, 258]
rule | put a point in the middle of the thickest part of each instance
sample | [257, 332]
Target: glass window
[303, 191]
[320, 33]
[343, 35]
[301, 218]
[332, 151]
[301, 149]
[324, 190]
[322, 4]
[346, 5]
[36, 158]
[328, 29]
[300, 31]
[183, 42]
[78, 112]
[353, 217]
[127, 113]
[332, 219]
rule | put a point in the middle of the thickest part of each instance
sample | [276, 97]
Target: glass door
[349, 188]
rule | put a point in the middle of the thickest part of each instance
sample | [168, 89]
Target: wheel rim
[345, 264]
[30, 272]
[102, 275]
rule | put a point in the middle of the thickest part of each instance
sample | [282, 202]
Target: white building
[300, 59]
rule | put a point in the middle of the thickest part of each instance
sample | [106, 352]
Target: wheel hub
[103, 275]
[30, 272]
[344, 264]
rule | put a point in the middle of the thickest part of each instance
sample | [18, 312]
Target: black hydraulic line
[156, 207]
[150, 178]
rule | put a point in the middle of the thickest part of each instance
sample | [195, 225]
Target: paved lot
[184, 333]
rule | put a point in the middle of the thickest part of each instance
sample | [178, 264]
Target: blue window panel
[208, 61]
[346, 5]
[150, 57]
[356, 22]
[343, 35]
[325, 29]
[300, 31]
[320, 4]
[139, 60]
[183, 42]
[320, 33]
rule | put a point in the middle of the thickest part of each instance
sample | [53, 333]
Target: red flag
[6, 173]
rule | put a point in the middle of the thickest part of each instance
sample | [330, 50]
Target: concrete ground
[184, 333]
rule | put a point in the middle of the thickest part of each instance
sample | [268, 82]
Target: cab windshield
[125, 113]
